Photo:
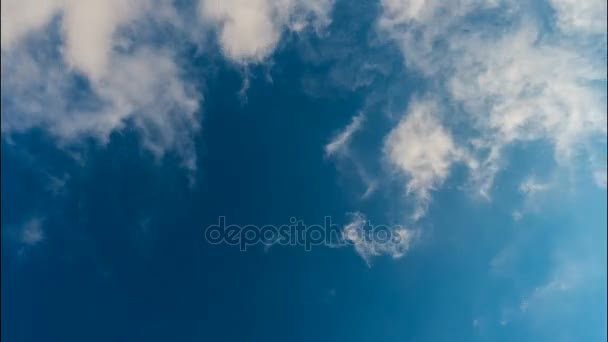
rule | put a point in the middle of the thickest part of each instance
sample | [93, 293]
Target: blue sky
[474, 130]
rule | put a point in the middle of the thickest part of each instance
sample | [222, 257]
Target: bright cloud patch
[249, 30]
[514, 84]
[129, 81]
[589, 16]
[49, 47]
[424, 150]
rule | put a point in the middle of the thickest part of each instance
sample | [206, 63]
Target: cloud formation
[86, 69]
[339, 143]
[588, 16]
[512, 84]
[366, 247]
[81, 69]
[249, 30]
[31, 232]
[95, 77]
[424, 150]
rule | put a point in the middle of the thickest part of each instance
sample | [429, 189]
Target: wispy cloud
[340, 142]
[31, 232]
[354, 232]
[532, 186]
[339, 148]
[511, 83]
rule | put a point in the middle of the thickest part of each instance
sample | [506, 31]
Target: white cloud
[517, 89]
[20, 17]
[88, 27]
[588, 16]
[514, 84]
[249, 30]
[341, 141]
[340, 149]
[424, 150]
[143, 85]
[416, 25]
[126, 79]
[368, 247]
